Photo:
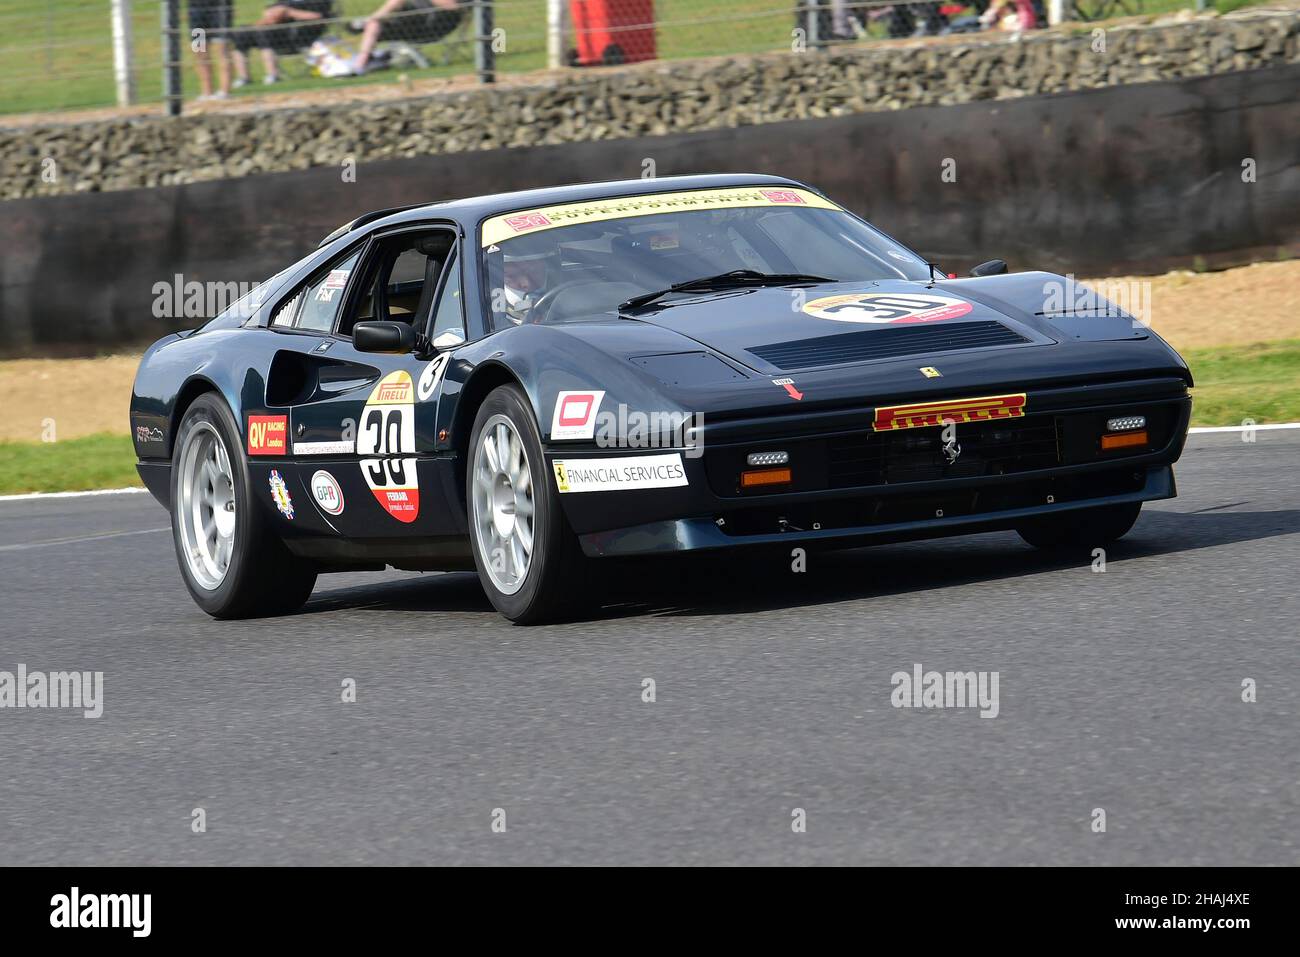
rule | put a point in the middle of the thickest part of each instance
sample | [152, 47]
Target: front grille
[917, 455]
[886, 343]
[855, 512]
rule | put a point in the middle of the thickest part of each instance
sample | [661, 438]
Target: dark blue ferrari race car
[533, 383]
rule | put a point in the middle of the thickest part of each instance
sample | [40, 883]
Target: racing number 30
[385, 428]
[889, 307]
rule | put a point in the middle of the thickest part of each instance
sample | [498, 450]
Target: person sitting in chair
[413, 21]
[286, 26]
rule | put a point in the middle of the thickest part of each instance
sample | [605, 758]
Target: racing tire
[1089, 527]
[528, 559]
[231, 560]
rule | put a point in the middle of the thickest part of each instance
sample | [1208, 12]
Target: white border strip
[1202, 430]
[1242, 428]
[102, 491]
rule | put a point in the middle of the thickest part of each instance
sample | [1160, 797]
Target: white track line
[22, 546]
[128, 491]
[1242, 428]
[102, 491]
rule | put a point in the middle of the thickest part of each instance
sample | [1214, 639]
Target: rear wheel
[1088, 527]
[233, 564]
[528, 560]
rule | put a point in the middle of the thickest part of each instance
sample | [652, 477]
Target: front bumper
[698, 534]
[860, 488]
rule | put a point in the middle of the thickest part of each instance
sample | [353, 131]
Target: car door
[365, 431]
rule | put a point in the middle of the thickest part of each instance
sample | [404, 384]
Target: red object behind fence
[613, 31]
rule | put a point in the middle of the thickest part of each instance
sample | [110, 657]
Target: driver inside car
[528, 270]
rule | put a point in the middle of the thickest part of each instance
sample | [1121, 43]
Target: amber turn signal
[764, 477]
[1123, 440]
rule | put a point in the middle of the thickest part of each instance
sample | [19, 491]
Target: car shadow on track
[436, 591]
[738, 583]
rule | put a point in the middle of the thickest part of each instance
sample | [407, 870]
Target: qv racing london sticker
[884, 308]
[329, 496]
[385, 444]
[280, 494]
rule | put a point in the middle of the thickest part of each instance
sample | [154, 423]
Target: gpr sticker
[385, 442]
[612, 475]
[280, 494]
[881, 308]
[267, 434]
[575, 415]
[325, 490]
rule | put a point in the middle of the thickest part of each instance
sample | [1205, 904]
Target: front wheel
[1089, 527]
[233, 565]
[528, 560]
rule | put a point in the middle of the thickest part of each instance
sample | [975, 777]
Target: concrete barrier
[1126, 179]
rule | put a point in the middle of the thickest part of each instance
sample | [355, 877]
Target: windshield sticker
[500, 228]
[886, 308]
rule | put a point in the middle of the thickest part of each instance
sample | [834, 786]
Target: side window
[400, 279]
[449, 318]
[405, 280]
[315, 305]
[323, 298]
[288, 311]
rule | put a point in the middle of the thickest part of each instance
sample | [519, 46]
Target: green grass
[72, 465]
[56, 56]
[1260, 382]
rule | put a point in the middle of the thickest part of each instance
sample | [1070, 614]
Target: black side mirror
[994, 267]
[390, 338]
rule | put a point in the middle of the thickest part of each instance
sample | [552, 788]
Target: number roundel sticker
[385, 442]
[885, 308]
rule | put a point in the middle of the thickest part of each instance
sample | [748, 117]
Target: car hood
[786, 330]
[864, 341]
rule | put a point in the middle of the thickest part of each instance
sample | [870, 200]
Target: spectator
[835, 19]
[212, 18]
[1013, 15]
[280, 28]
[415, 21]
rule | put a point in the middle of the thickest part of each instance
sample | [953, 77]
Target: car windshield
[580, 261]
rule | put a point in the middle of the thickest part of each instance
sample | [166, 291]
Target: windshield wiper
[737, 278]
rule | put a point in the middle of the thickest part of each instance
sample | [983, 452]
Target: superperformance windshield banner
[500, 228]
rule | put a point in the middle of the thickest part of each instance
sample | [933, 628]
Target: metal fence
[83, 54]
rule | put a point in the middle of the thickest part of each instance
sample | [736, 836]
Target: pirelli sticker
[386, 446]
[500, 228]
[923, 414]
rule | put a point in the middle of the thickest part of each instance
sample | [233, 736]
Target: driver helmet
[527, 267]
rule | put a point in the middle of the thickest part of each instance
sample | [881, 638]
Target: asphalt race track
[1119, 690]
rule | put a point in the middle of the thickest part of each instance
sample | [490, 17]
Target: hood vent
[886, 343]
